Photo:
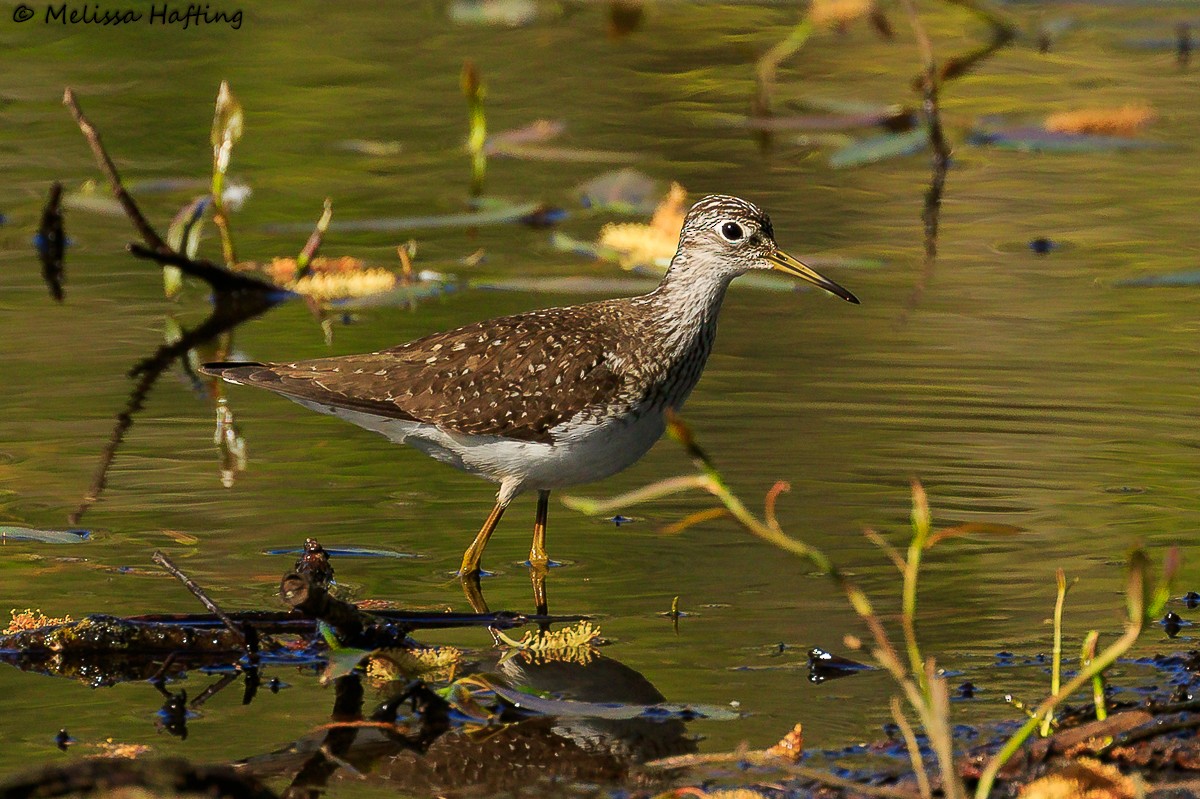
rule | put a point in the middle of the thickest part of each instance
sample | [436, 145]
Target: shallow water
[1022, 389]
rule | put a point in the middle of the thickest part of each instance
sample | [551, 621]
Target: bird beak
[782, 262]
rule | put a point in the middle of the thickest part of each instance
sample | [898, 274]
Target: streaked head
[735, 235]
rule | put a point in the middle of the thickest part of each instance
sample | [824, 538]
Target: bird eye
[732, 231]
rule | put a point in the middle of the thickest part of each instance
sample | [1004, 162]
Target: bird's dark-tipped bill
[789, 265]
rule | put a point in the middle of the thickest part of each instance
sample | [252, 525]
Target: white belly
[583, 452]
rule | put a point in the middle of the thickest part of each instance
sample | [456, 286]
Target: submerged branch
[143, 228]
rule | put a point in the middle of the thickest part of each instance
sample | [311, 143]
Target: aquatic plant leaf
[341, 661]
[841, 105]
[881, 148]
[819, 122]
[226, 128]
[92, 203]
[973, 528]
[495, 216]
[570, 155]
[346, 552]
[625, 191]
[572, 284]
[495, 13]
[371, 147]
[44, 536]
[183, 236]
[1039, 140]
[538, 131]
[1190, 277]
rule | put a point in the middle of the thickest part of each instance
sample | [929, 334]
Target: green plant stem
[1097, 666]
[1056, 658]
[914, 749]
[920, 524]
[1086, 656]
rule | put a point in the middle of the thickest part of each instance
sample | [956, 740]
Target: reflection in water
[229, 311]
[434, 747]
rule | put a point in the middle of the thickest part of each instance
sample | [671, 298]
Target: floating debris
[345, 552]
[1127, 120]
[623, 191]
[495, 13]
[507, 141]
[433, 663]
[572, 284]
[30, 619]
[378, 149]
[1042, 246]
[1030, 138]
[790, 746]
[572, 644]
[881, 148]
[505, 215]
[331, 278]
[839, 13]
[1190, 277]
[650, 244]
[43, 536]
[823, 665]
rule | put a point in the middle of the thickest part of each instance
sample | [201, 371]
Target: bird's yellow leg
[539, 562]
[474, 553]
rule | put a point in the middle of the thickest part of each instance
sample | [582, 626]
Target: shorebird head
[735, 236]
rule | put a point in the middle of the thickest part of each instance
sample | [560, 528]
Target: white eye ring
[731, 231]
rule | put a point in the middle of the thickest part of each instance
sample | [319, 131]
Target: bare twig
[929, 85]
[52, 242]
[304, 260]
[216, 277]
[143, 228]
[198, 592]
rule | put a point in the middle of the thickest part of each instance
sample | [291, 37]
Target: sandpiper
[551, 398]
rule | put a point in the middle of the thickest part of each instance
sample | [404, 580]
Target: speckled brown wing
[517, 376]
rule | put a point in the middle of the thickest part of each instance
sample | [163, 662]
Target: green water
[1022, 389]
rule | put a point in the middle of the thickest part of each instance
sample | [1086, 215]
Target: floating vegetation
[332, 278]
[346, 552]
[30, 619]
[621, 191]
[572, 644]
[371, 147]
[648, 244]
[8, 533]
[432, 663]
[840, 13]
[1186, 278]
[493, 13]
[505, 214]
[509, 142]
[790, 746]
[1127, 120]
[881, 148]
[1037, 139]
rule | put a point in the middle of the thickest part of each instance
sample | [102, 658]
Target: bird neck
[689, 298]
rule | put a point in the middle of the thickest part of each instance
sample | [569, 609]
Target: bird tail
[231, 371]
